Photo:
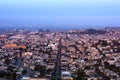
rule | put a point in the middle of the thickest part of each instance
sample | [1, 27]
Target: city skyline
[59, 40]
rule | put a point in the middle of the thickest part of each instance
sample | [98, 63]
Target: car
[66, 75]
[26, 78]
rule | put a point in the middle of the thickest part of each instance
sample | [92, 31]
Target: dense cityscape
[89, 54]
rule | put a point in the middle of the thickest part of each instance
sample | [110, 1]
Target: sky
[60, 12]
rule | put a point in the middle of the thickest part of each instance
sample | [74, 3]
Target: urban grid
[86, 54]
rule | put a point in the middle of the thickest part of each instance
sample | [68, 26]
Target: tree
[40, 69]
[2, 73]
[81, 75]
[24, 71]
[106, 65]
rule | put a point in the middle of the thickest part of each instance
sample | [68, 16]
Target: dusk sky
[60, 12]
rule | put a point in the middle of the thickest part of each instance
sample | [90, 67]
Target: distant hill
[93, 31]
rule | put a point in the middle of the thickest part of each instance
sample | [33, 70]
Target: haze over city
[85, 13]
